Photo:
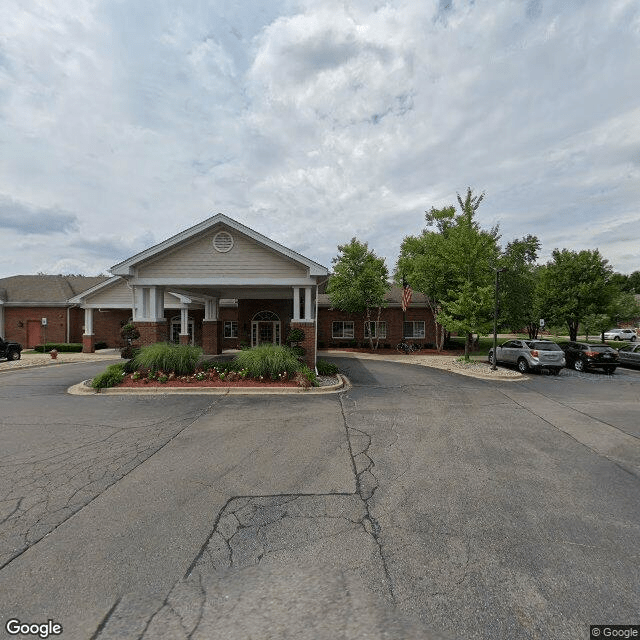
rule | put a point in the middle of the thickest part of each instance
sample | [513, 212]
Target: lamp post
[495, 319]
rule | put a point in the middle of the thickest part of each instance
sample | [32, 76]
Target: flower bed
[145, 383]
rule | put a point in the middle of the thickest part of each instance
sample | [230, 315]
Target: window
[413, 329]
[342, 329]
[378, 329]
[230, 329]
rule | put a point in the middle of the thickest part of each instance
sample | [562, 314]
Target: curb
[82, 389]
[52, 363]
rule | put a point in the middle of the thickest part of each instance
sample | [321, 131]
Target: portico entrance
[265, 328]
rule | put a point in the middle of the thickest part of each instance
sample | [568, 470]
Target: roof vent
[223, 242]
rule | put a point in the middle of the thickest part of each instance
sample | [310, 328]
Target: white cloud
[321, 120]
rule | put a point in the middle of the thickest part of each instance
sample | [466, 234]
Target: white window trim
[343, 323]
[379, 328]
[413, 324]
[233, 329]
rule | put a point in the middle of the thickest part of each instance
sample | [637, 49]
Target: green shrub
[268, 361]
[295, 335]
[128, 353]
[60, 347]
[182, 359]
[309, 375]
[326, 368]
[298, 352]
[101, 345]
[111, 377]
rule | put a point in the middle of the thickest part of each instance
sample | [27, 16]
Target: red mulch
[140, 384]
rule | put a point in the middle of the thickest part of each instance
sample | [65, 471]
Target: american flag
[406, 296]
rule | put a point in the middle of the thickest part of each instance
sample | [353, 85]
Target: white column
[296, 303]
[88, 321]
[184, 321]
[307, 304]
[211, 308]
[157, 299]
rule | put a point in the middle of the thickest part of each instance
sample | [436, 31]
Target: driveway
[478, 509]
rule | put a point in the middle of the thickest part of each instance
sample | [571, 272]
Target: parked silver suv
[531, 354]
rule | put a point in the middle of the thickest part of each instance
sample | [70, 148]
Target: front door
[34, 333]
[265, 332]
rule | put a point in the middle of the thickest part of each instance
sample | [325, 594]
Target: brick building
[219, 285]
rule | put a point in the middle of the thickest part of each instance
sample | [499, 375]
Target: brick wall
[309, 342]
[107, 326]
[152, 332]
[247, 309]
[391, 315]
[22, 323]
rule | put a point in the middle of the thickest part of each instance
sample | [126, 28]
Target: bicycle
[407, 347]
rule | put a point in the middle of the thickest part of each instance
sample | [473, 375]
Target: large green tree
[425, 266]
[573, 286]
[519, 304]
[359, 282]
[452, 264]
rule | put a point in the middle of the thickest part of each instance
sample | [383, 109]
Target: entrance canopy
[217, 261]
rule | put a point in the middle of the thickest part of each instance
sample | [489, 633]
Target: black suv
[10, 350]
[582, 356]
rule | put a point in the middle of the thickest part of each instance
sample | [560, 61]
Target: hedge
[61, 347]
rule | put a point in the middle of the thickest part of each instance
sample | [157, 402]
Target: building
[218, 284]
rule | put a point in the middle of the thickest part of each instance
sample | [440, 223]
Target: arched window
[266, 316]
[265, 328]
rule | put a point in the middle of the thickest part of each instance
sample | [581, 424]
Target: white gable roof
[127, 266]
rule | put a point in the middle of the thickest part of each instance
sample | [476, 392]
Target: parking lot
[472, 508]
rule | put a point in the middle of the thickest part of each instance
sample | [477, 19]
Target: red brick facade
[212, 337]
[152, 332]
[88, 344]
[392, 316]
[309, 342]
[24, 325]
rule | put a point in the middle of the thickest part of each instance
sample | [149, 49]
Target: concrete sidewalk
[44, 359]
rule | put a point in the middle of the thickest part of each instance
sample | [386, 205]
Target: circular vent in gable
[223, 242]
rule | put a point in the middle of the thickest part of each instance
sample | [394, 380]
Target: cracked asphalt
[417, 503]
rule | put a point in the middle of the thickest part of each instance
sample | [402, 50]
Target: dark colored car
[583, 356]
[630, 355]
[10, 350]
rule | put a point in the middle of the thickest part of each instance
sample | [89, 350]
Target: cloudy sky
[123, 122]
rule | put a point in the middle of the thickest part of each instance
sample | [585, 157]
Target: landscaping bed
[168, 365]
[192, 381]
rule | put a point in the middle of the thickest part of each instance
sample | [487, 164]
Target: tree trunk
[467, 343]
[573, 330]
[378, 328]
[369, 328]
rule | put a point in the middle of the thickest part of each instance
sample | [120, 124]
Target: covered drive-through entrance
[217, 281]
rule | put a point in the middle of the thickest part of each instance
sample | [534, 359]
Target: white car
[621, 334]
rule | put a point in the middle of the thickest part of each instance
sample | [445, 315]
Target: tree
[519, 304]
[424, 265]
[575, 285]
[359, 282]
[473, 253]
[622, 306]
[452, 264]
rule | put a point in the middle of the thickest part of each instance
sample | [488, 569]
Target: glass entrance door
[265, 332]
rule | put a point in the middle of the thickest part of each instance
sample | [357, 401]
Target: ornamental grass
[268, 361]
[182, 359]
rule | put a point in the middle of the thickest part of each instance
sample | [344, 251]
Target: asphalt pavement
[417, 503]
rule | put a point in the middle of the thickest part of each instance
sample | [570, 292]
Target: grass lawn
[486, 342]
